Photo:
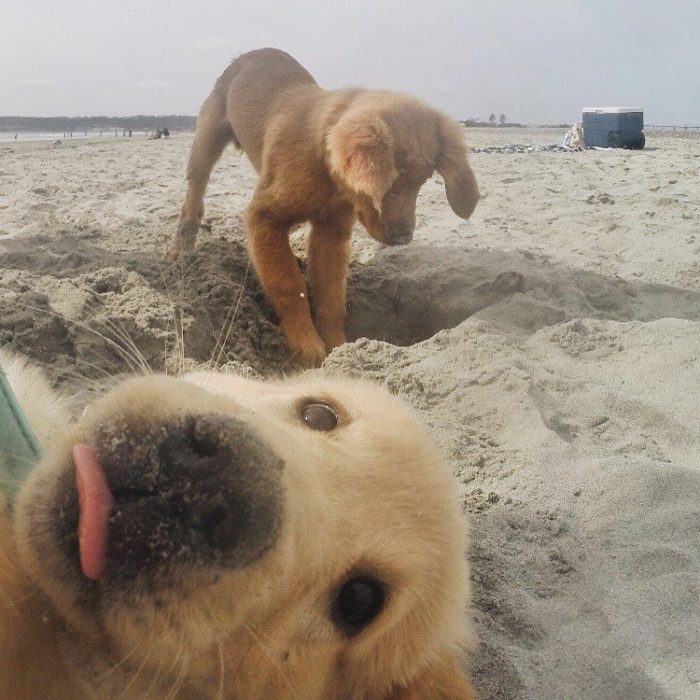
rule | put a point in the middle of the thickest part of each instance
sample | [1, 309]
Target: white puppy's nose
[200, 490]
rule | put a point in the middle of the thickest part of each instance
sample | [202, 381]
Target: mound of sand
[551, 344]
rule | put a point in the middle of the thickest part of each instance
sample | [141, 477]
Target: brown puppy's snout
[201, 490]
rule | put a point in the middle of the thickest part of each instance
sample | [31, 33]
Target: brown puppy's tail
[460, 183]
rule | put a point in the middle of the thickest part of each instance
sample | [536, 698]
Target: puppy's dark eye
[357, 603]
[318, 415]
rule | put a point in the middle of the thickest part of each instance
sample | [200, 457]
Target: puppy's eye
[357, 603]
[319, 415]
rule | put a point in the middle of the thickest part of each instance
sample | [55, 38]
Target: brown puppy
[232, 539]
[324, 156]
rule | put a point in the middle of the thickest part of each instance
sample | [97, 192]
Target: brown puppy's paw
[311, 353]
[333, 335]
[173, 253]
[303, 340]
[184, 240]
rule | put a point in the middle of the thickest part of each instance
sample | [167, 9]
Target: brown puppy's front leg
[188, 225]
[328, 261]
[284, 285]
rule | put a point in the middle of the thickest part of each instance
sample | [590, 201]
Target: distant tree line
[501, 120]
[140, 122]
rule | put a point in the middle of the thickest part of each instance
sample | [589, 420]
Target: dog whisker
[130, 344]
[81, 382]
[7, 602]
[180, 329]
[11, 603]
[157, 675]
[139, 670]
[271, 657]
[227, 326]
[110, 671]
[179, 316]
[179, 654]
[132, 362]
[222, 670]
[181, 677]
[19, 458]
[123, 335]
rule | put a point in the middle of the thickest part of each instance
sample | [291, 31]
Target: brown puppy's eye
[318, 415]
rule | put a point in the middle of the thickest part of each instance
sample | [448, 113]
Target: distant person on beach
[160, 133]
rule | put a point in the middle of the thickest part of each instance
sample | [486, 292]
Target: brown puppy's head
[381, 151]
[252, 540]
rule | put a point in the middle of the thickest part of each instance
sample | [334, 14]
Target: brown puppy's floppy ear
[360, 153]
[444, 681]
[460, 183]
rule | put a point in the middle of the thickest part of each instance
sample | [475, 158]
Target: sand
[552, 345]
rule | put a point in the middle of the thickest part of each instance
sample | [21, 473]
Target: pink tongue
[96, 504]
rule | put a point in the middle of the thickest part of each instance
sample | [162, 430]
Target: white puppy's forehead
[372, 423]
[356, 398]
[379, 446]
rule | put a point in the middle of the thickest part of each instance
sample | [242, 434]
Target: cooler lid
[611, 110]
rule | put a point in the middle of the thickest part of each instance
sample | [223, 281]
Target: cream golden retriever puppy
[327, 157]
[218, 537]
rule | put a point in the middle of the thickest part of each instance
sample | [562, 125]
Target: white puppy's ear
[359, 150]
[444, 681]
[460, 183]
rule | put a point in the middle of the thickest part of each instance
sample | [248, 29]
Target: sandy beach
[551, 344]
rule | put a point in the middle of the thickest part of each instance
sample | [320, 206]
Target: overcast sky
[537, 61]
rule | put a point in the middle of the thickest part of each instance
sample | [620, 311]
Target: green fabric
[19, 449]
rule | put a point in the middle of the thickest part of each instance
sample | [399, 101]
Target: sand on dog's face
[366, 499]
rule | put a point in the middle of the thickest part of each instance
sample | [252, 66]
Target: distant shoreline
[10, 137]
[83, 125]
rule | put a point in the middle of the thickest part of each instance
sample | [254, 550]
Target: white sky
[537, 61]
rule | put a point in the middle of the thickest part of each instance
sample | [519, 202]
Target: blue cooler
[613, 127]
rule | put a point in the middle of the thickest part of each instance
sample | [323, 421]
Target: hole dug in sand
[404, 296]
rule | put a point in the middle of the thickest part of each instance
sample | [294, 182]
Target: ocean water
[9, 136]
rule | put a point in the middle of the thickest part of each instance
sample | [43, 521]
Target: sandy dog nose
[201, 490]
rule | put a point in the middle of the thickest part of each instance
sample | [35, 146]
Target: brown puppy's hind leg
[213, 134]
[283, 284]
[328, 261]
